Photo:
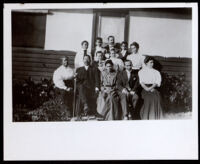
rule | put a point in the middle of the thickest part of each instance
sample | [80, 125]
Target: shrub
[176, 92]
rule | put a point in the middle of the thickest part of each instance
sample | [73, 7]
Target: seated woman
[150, 79]
[108, 100]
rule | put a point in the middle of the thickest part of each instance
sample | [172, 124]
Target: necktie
[84, 52]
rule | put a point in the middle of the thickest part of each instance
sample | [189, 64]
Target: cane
[74, 103]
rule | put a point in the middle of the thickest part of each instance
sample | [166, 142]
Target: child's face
[112, 53]
[85, 46]
[100, 56]
[98, 43]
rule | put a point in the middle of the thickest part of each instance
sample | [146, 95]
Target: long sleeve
[158, 78]
[58, 81]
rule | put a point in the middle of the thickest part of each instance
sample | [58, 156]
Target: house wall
[31, 59]
[165, 35]
[66, 30]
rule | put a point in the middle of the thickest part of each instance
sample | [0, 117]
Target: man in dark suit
[87, 83]
[128, 85]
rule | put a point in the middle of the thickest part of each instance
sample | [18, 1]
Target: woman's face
[134, 49]
[150, 64]
[109, 67]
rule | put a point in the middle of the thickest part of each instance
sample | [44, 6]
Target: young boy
[78, 61]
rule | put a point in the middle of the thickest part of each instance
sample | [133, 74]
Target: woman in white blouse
[150, 79]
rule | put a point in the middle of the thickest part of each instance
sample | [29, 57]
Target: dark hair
[109, 62]
[99, 52]
[85, 41]
[112, 49]
[127, 61]
[87, 56]
[124, 43]
[111, 37]
[135, 44]
[147, 59]
[99, 38]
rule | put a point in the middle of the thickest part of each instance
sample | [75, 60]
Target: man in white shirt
[63, 81]
[78, 61]
[136, 58]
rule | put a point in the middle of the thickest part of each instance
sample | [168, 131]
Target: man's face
[86, 60]
[85, 46]
[123, 47]
[98, 43]
[128, 65]
[134, 49]
[111, 40]
[65, 62]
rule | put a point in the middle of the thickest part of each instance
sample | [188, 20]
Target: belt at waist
[148, 85]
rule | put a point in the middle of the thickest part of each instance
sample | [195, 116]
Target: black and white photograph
[102, 64]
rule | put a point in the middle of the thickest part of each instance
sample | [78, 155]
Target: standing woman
[108, 100]
[150, 79]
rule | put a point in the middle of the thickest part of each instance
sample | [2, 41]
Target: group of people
[110, 81]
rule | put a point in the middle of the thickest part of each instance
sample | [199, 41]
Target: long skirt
[152, 108]
[108, 105]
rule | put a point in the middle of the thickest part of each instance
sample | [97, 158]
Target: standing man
[78, 61]
[128, 85]
[87, 84]
[63, 81]
[135, 57]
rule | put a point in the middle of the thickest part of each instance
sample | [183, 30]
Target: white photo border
[107, 140]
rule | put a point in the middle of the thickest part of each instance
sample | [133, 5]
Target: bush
[176, 92]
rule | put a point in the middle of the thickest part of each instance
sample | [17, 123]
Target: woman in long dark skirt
[150, 79]
[108, 99]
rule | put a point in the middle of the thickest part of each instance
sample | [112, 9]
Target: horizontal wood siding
[38, 63]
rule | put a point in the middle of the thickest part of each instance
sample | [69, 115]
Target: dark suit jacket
[89, 78]
[124, 57]
[115, 46]
[123, 82]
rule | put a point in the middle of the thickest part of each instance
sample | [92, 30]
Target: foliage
[176, 91]
[39, 102]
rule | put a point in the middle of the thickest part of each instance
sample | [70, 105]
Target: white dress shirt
[123, 52]
[86, 67]
[137, 60]
[128, 74]
[149, 76]
[60, 74]
[78, 61]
